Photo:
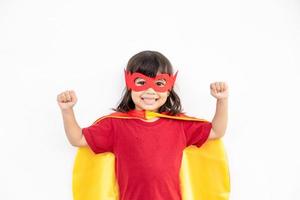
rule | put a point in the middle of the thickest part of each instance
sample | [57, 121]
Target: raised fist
[67, 99]
[219, 90]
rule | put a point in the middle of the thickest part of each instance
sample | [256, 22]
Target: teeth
[149, 98]
[149, 101]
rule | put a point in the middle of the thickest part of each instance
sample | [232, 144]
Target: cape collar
[146, 114]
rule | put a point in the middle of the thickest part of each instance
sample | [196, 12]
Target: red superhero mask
[139, 82]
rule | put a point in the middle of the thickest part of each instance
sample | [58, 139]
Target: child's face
[149, 99]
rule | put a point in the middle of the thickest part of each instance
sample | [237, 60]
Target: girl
[148, 132]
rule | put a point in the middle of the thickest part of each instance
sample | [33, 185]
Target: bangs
[149, 64]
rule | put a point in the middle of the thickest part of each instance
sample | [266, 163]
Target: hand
[66, 100]
[219, 90]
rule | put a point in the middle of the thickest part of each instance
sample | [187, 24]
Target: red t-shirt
[148, 154]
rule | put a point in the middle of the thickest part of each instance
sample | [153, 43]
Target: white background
[47, 47]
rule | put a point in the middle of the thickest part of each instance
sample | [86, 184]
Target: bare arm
[66, 100]
[219, 123]
[72, 129]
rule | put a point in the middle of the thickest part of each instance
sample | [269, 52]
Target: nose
[150, 91]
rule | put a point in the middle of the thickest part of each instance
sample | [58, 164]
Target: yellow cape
[204, 173]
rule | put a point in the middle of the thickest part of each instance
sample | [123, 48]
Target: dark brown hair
[149, 63]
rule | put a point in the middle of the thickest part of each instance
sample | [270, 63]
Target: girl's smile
[149, 99]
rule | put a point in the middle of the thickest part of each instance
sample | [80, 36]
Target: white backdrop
[47, 47]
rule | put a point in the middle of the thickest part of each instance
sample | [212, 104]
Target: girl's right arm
[66, 100]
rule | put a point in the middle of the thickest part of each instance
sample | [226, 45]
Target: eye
[139, 82]
[161, 83]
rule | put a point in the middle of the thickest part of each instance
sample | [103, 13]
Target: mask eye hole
[139, 82]
[161, 82]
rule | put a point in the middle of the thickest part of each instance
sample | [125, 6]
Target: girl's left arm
[219, 90]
